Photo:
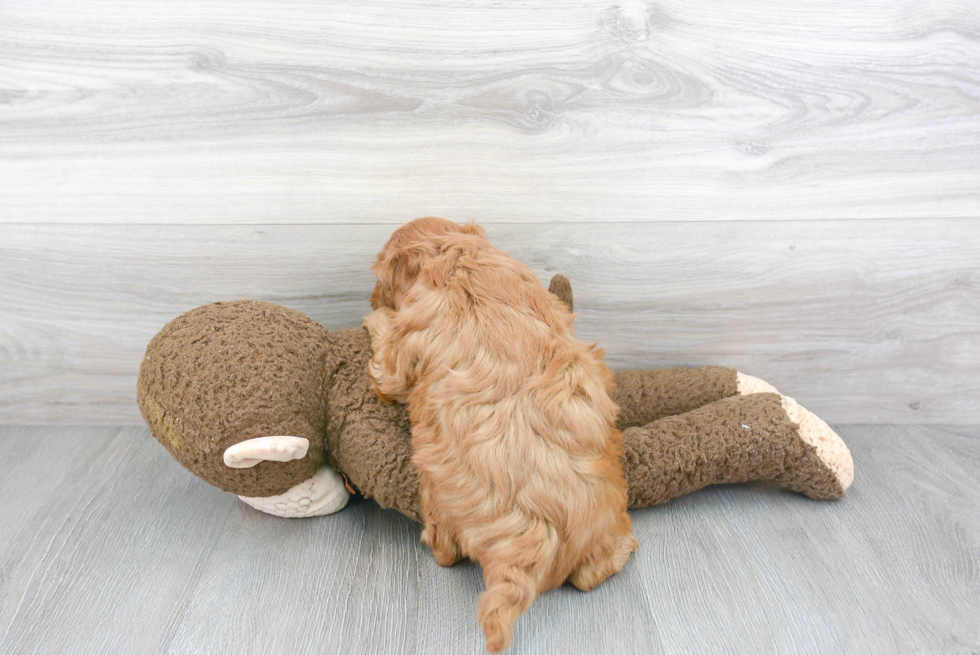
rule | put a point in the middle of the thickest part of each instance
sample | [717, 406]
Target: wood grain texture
[102, 555]
[126, 552]
[861, 321]
[378, 111]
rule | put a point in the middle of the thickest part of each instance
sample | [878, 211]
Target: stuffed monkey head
[218, 382]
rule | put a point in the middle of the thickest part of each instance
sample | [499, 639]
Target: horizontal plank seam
[492, 222]
[835, 426]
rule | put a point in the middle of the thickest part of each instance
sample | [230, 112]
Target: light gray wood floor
[108, 546]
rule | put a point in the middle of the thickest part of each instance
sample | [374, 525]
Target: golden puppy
[513, 428]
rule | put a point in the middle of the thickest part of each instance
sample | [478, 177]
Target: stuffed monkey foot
[746, 384]
[829, 447]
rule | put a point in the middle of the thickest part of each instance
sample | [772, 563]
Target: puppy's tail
[505, 599]
[512, 585]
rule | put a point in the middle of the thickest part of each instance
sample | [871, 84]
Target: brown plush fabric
[737, 439]
[227, 372]
[645, 396]
[370, 439]
[561, 286]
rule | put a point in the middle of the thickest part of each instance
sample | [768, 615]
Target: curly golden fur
[513, 428]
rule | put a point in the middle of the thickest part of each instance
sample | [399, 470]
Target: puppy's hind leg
[604, 562]
[444, 547]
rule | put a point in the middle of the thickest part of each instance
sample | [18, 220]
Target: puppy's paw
[594, 572]
[443, 546]
[376, 371]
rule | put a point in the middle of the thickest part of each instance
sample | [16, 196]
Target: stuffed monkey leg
[645, 396]
[648, 395]
[757, 437]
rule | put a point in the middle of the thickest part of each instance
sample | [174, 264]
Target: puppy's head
[407, 252]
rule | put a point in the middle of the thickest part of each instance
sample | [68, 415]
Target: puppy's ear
[439, 270]
[381, 296]
[406, 266]
[398, 270]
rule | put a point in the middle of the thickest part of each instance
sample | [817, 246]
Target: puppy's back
[525, 454]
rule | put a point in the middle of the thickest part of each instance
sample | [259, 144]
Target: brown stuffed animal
[261, 401]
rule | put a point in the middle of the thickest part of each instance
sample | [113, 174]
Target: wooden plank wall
[789, 188]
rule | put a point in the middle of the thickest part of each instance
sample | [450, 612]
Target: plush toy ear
[561, 286]
[246, 454]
